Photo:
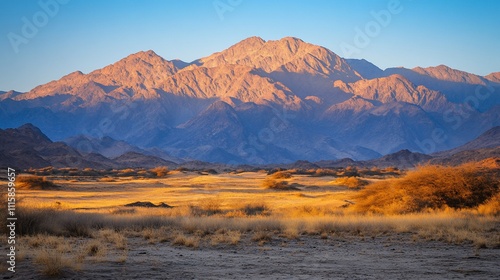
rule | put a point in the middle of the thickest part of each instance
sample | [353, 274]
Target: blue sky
[89, 34]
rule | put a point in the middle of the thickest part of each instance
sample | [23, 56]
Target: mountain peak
[29, 126]
[494, 77]
[291, 39]
[147, 56]
[254, 40]
[33, 132]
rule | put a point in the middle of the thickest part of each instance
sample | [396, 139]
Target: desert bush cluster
[35, 183]
[433, 187]
[162, 171]
[349, 171]
[109, 174]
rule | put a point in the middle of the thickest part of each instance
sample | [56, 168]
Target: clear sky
[42, 41]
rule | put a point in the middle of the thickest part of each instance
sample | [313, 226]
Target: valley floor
[234, 226]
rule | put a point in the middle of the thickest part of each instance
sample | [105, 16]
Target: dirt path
[308, 258]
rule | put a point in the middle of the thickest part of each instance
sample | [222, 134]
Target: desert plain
[289, 224]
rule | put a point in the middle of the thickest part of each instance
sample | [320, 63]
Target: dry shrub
[35, 183]
[160, 171]
[116, 238]
[310, 211]
[270, 183]
[323, 172]
[262, 237]
[32, 221]
[95, 248]
[281, 175]
[255, 209]
[430, 187]
[350, 182]
[291, 231]
[207, 207]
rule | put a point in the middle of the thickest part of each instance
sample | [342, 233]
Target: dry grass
[95, 248]
[51, 262]
[53, 255]
[223, 236]
[491, 206]
[185, 240]
[118, 239]
[235, 210]
[262, 237]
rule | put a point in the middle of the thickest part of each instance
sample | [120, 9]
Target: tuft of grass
[52, 262]
[95, 248]
[188, 241]
[116, 238]
[231, 237]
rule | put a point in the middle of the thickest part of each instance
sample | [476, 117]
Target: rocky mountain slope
[259, 102]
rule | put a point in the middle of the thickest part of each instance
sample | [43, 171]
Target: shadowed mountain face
[259, 102]
[27, 147]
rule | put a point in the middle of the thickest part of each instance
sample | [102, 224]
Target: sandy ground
[311, 257]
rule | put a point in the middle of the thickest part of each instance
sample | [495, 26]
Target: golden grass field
[83, 228]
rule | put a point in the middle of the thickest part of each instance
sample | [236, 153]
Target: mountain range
[28, 147]
[258, 102]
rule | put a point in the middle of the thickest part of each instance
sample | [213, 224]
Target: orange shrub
[430, 187]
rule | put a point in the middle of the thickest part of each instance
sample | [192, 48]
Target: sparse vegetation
[188, 241]
[218, 210]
